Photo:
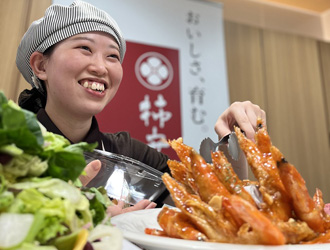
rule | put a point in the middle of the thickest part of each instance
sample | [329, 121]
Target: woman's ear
[37, 63]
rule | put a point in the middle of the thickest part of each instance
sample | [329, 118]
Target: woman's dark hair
[32, 100]
[35, 99]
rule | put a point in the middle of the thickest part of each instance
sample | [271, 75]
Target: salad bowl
[124, 178]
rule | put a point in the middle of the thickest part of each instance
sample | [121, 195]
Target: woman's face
[83, 74]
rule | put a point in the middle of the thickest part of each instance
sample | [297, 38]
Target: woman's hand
[91, 171]
[119, 208]
[241, 114]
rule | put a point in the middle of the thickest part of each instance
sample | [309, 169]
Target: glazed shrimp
[303, 205]
[155, 232]
[207, 183]
[176, 224]
[318, 200]
[209, 186]
[183, 175]
[202, 215]
[265, 231]
[295, 231]
[276, 200]
[226, 174]
[322, 238]
[262, 138]
[319, 206]
[183, 151]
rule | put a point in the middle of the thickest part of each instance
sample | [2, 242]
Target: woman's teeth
[94, 86]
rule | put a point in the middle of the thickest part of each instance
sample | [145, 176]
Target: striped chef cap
[59, 23]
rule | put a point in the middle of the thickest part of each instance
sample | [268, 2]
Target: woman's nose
[97, 66]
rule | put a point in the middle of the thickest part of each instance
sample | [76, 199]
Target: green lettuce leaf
[74, 204]
[99, 201]
[20, 127]
[6, 199]
[11, 149]
[54, 143]
[23, 165]
[69, 162]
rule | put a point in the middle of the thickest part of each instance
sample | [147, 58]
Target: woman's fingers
[119, 207]
[151, 205]
[144, 204]
[241, 114]
[91, 171]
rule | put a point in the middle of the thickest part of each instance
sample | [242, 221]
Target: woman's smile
[93, 85]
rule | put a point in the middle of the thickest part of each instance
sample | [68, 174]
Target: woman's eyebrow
[83, 38]
[92, 41]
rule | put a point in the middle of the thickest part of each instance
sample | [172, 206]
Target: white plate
[133, 224]
[127, 245]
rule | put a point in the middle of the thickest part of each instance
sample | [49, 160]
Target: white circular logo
[154, 71]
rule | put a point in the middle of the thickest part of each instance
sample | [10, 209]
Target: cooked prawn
[276, 200]
[183, 175]
[183, 151]
[319, 205]
[155, 232]
[303, 205]
[295, 231]
[267, 233]
[207, 183]
[177, 225]
[226, 174]
[262, 138]
[322, 238]
[203, 216]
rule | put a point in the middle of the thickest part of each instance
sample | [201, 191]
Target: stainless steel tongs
[229, 144]
[207, 146]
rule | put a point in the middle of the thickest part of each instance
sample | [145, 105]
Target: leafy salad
[42, 204]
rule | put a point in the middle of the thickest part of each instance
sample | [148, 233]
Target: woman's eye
[85, 48]
[114, 56]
